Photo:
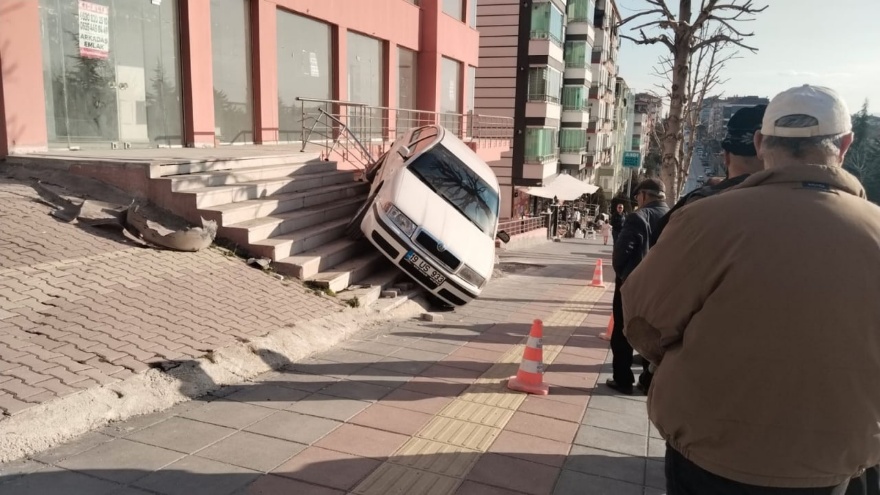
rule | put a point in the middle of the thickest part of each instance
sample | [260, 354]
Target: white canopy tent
[561, 186]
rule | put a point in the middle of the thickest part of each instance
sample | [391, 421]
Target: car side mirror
[404, 151]
[504, 236]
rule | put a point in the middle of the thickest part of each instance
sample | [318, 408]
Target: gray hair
[803, 147]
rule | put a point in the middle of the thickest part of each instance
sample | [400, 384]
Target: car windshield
[452, 180]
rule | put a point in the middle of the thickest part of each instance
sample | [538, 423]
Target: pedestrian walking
[630, 249]
[765, 367]
[606, 231]
[740, 158]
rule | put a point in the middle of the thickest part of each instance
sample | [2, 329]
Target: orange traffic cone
[607, 334]
[530, 378]
[598, 278]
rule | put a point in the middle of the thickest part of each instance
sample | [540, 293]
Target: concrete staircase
[292, 210]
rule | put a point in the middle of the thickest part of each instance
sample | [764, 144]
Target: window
[472, 18]
[575, 55]
[231, 57]
[366, 69]
[471, 89]
[454, 8]
[547, 23]
[572, 140]
[540, 144]
[304, 51]
[407, 77]
[580, 10]
[574, 98]
[545, 84]
[450, 94]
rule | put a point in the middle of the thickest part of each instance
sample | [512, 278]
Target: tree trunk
[672, 140]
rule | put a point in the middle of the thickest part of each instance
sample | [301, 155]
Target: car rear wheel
[370, 173]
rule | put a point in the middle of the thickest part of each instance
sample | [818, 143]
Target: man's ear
[845, 143]
[759, 139]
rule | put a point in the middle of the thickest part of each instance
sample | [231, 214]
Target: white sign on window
[313, 61]
[94, 30]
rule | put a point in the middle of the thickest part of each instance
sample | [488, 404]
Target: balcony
[545, 35]
[540, 145]
[580, 11]
[574, 98]
[572, 141]
[547, 23]
[575, 55]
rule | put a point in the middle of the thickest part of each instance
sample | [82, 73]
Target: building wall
[396, 23]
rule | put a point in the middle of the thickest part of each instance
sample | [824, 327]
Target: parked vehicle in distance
[433, 211]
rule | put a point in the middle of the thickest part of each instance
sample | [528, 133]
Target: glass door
[111, 73]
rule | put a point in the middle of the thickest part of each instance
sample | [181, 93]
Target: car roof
[451, 142]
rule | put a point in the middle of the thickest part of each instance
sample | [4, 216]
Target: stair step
[250, 209]
[226, 163]
[206, 197]
[285, 245]
[188, 182]
[368, 289]
[257, 229]
[308, 264]
[349, 272]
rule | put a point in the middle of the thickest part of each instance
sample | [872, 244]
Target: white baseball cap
[821, 103]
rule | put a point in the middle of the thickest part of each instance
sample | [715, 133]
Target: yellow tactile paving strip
[440, 455]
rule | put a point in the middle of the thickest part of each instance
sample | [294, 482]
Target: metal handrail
[522, 225]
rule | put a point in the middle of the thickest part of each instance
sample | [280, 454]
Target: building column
[264, 53]
[429, 58]
[340, 63]
[391, 90]
[198, 81]
[22, 100]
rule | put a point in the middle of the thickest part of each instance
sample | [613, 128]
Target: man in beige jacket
[761, 309]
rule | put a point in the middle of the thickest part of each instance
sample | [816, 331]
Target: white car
[433, 211]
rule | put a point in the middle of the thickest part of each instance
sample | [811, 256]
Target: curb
[47, 425]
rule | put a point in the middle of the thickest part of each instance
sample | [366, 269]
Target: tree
[863, 157]
[690, 38]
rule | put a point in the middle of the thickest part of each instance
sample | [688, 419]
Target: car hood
[443, 221]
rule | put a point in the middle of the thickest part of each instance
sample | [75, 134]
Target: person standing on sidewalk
[617, 219]
[766, 370]
[740, 158]
[630, 249]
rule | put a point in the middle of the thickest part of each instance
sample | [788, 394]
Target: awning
[561, 186]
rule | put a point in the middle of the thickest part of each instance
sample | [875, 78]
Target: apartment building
[537, 66]
[646, 110]
[602, 91]
[722, 109]
[202, 73]
[610, 177]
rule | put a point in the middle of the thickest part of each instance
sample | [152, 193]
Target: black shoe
[624, 389]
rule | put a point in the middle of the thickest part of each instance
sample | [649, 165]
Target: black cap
[741, 128]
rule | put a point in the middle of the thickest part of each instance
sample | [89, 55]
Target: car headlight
[397, 217]
[469, 275]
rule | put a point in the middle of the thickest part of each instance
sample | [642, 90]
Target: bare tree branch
[723, 38]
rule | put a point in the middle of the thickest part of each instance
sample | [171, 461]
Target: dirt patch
[511, 268]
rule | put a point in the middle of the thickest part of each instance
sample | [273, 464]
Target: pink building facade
[108, 74]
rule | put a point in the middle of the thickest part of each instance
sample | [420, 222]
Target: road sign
[632, 159]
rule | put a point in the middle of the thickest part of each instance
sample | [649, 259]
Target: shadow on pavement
[318, 471]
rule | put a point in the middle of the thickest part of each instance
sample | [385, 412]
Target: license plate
[425, 268]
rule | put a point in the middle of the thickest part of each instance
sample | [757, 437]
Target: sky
[835, 44]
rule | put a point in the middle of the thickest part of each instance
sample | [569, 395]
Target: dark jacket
[617, 222]
[636, 237]
[697, 194]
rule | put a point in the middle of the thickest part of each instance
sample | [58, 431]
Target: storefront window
[231, 56]
[407, 77]
[365, 84]
[304, 70]
[450, 94]
[111, 72]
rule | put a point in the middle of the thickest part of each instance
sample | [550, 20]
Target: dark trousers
[866, 484]
[620, 349]
[683, 477]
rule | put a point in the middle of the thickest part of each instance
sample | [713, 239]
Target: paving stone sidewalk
[82, 307]
[412, 408]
